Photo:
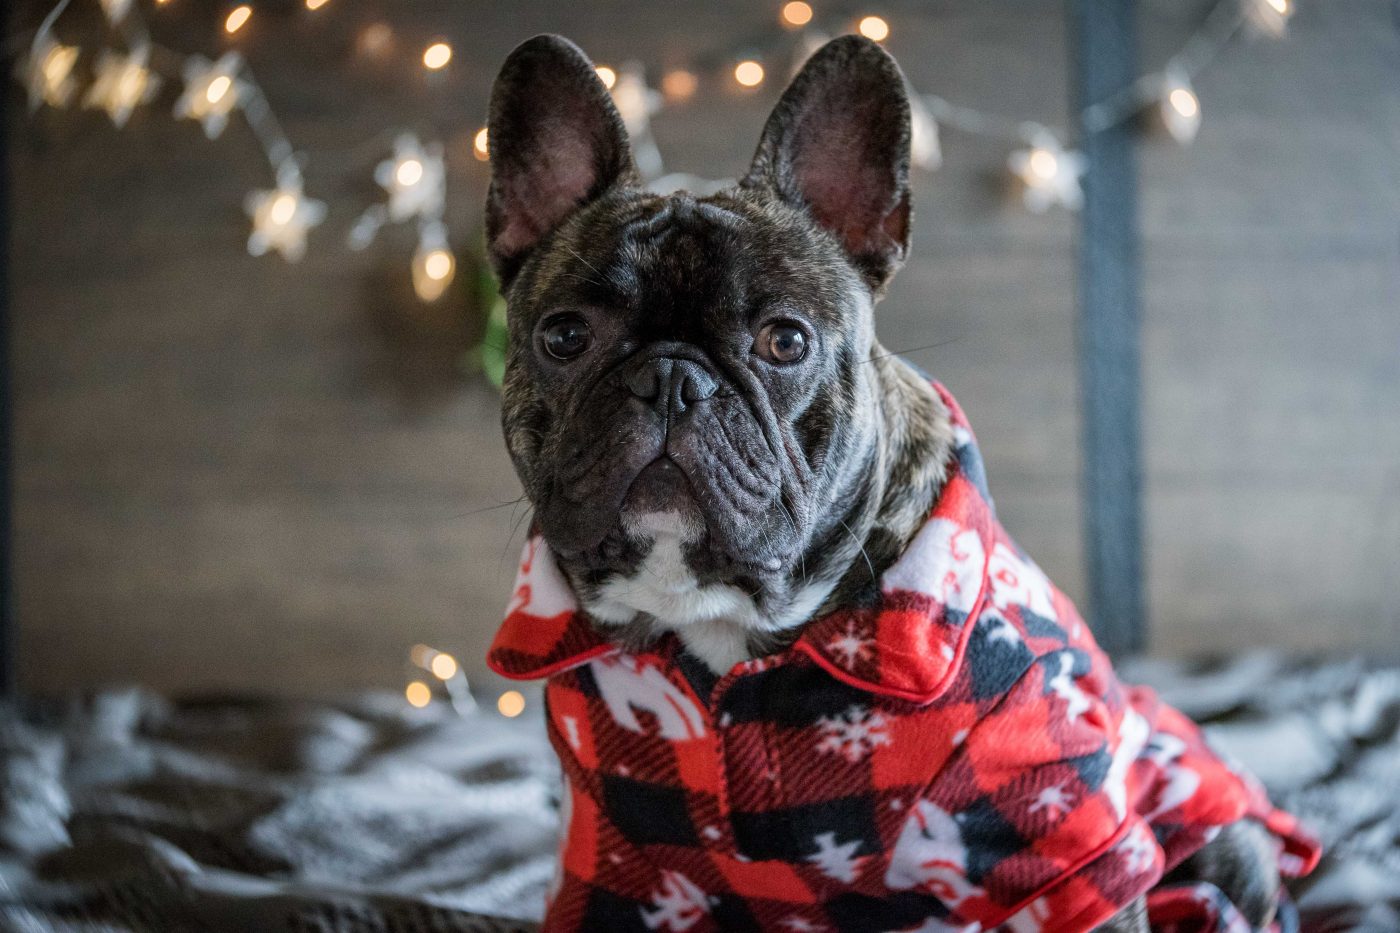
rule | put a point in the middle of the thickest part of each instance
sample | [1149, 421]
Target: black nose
[671, 385]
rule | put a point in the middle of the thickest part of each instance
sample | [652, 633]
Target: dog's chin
[661, 501]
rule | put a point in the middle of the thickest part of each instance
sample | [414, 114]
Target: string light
[316, 4]
[48, 73]
[874, 28]
[436, 56]
[481, 146]
[1180, 108]
[748, 73]
[443, 666]
[282, 216]
[1269, 16]
[375, 39]
[1049, 173]
[418, 694]
[679, 85]
[797, 13]
[123, 83]
[511, 704]
[116, 10]
[433, 269]
[237, 18]
[607, 76]
[415, 178]
[212, 91]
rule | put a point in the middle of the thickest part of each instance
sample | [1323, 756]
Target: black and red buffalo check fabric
[950, 752]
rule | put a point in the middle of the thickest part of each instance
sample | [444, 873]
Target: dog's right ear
[556, 141]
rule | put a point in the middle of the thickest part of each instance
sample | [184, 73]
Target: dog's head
[694, 398]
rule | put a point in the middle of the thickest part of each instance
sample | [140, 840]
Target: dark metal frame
[1103, 39]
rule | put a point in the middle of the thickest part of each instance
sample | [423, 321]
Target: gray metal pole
[1103, 44]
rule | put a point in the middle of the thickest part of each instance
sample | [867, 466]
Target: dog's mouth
[662, 487]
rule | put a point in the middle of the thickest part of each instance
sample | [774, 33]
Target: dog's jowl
[799, 676]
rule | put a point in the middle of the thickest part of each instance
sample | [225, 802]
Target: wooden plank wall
[237, 474]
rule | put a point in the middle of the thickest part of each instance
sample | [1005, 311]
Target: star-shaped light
[48, 73]
[414, 177]
[123, 83]
[636, 102]
[116, 10]
[1050, 174]
[1269, 17]
[924, 148]
[212, 91]
[282, 216]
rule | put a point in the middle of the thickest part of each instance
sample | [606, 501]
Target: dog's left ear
[837, 146]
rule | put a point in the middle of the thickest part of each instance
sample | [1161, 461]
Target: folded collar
[907, 643]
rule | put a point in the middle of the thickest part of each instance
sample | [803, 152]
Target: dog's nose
[671, 385]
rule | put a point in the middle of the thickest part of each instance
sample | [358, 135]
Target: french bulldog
[717, 449]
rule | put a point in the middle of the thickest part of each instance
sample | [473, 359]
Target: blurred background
[243, 473]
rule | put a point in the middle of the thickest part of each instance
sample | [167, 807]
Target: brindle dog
[807, 459]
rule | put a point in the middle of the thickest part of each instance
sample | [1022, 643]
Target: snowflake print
[853, 734]
[853, 646]
[837, 861]
[1137, 849]
[1076, 701]
[678, 906]
[1054, 800]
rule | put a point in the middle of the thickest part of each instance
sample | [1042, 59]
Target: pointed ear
[837, 145]
[556, 143]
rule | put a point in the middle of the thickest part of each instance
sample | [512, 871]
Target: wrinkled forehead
[693, 259]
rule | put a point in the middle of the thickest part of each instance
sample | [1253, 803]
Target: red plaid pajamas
[952, 752]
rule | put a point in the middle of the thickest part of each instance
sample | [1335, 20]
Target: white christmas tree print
[853, 645]
[679, 904]
[1076, 701]
[853, 734]
[838, 861]
[1054, 800]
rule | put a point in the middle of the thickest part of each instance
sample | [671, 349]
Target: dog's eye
[566, 337]
[781, 342]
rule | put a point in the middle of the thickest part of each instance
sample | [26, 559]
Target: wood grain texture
[237, 474]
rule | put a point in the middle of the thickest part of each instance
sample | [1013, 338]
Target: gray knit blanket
[125, 812]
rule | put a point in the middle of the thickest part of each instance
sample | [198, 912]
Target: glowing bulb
[679, 85]
[418, 694]
[874, 28]
[315, 4]
[283, 209]
[511, 704]
[238, 18]
[1281, 6]
[409, 173]
[376, 38]
[481, 145]
[433, 269]
[797, 13]
[607, 75]
[437, 55]
[443, 666]
[218, 88]
[1043, 163]
[749, 73]
[1184, 102]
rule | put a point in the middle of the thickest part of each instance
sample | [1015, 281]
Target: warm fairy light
[418, 694]
[480, 145]
[218, 88]
[283, 209]
[409, 172]
[438, 266]
[1279, 5]
[1043, 163]
[749, 73]
[315, 4]
[607, 75]
[433, 269]
[122, 82]
[874, 28]
[797, 13]
[511, 704]
[437, 55]
[679, 85]
[238, 18]
[375, 39]
[1184, 102]
[443, 665]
